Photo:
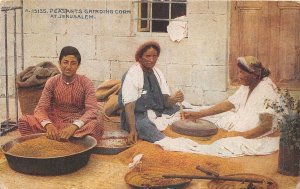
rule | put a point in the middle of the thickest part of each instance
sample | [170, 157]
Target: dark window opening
[154, 16]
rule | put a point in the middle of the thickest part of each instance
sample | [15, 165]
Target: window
[154, 16]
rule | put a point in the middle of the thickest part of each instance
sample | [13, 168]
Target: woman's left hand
[66, 133]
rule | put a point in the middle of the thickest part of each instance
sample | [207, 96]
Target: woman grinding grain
[145, 90]
[68, 105]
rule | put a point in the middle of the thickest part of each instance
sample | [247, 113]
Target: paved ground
[107, 172]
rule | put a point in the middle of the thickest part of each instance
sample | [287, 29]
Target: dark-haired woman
[246, 113]
[68, 105]
[145, 91]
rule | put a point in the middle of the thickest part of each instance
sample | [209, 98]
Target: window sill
[154, 34]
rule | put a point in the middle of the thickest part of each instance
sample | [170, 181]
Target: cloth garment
[135, 161]
[243, 118]
[108, 92]
[252, 65]
[62, 103]
[177, 28]
[163, 121]
[151, 98]
[132, 86]
[108, 88]
[225, 147]
[36, 76]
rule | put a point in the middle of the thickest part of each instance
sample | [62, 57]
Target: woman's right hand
[132, 137]
[52, 132]
[191, 115]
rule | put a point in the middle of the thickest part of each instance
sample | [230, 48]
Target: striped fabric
[62, 103]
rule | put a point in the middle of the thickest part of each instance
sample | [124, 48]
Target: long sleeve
[44, 105]
[91, 108]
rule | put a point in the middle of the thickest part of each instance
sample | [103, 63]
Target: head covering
[252, 65]
[145, 46]
[69, 50]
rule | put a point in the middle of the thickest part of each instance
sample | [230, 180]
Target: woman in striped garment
[68, 105]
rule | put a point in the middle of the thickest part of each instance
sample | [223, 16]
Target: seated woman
[247, 114]
[144, 89]
[68, 105]
[244, 116]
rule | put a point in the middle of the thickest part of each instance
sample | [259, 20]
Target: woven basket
[29, 98]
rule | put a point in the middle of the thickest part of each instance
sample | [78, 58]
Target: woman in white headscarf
[246, 114]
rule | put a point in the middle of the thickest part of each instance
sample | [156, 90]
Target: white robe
[244, 118]
[132, 87]
[245, 115]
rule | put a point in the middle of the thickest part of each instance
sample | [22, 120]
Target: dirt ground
[108, 171]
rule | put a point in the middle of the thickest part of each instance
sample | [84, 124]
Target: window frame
[148, 30]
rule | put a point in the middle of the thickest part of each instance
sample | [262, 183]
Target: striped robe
[62, 103]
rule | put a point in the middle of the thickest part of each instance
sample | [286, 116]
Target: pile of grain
[162, 161]
[44, 147]
[152, 179]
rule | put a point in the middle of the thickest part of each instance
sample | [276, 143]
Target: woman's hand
[177, 97]
[67, 132]
[52, 132]
[191, 115]
[132, 137]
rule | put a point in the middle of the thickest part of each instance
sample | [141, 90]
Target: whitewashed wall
[107, 41]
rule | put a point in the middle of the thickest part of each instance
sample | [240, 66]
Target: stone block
[192, 95]
[162, 67]
[116, 48]
[10, 66]
[118, 69]
[38, 15]
[117, 25]
[185, 52]
[212, 52]
[179, 74]
[54, 25]
[95, 70]
[99, 25]
[219, 7]
[32, 61]
[196, 7]
[214, 97]
[84, 43]
[212, 77]
[198, 77]
[216, 26]
[82, 26]
[118, 22]
[40, 45]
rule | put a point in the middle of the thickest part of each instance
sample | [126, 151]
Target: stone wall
[105, 34]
